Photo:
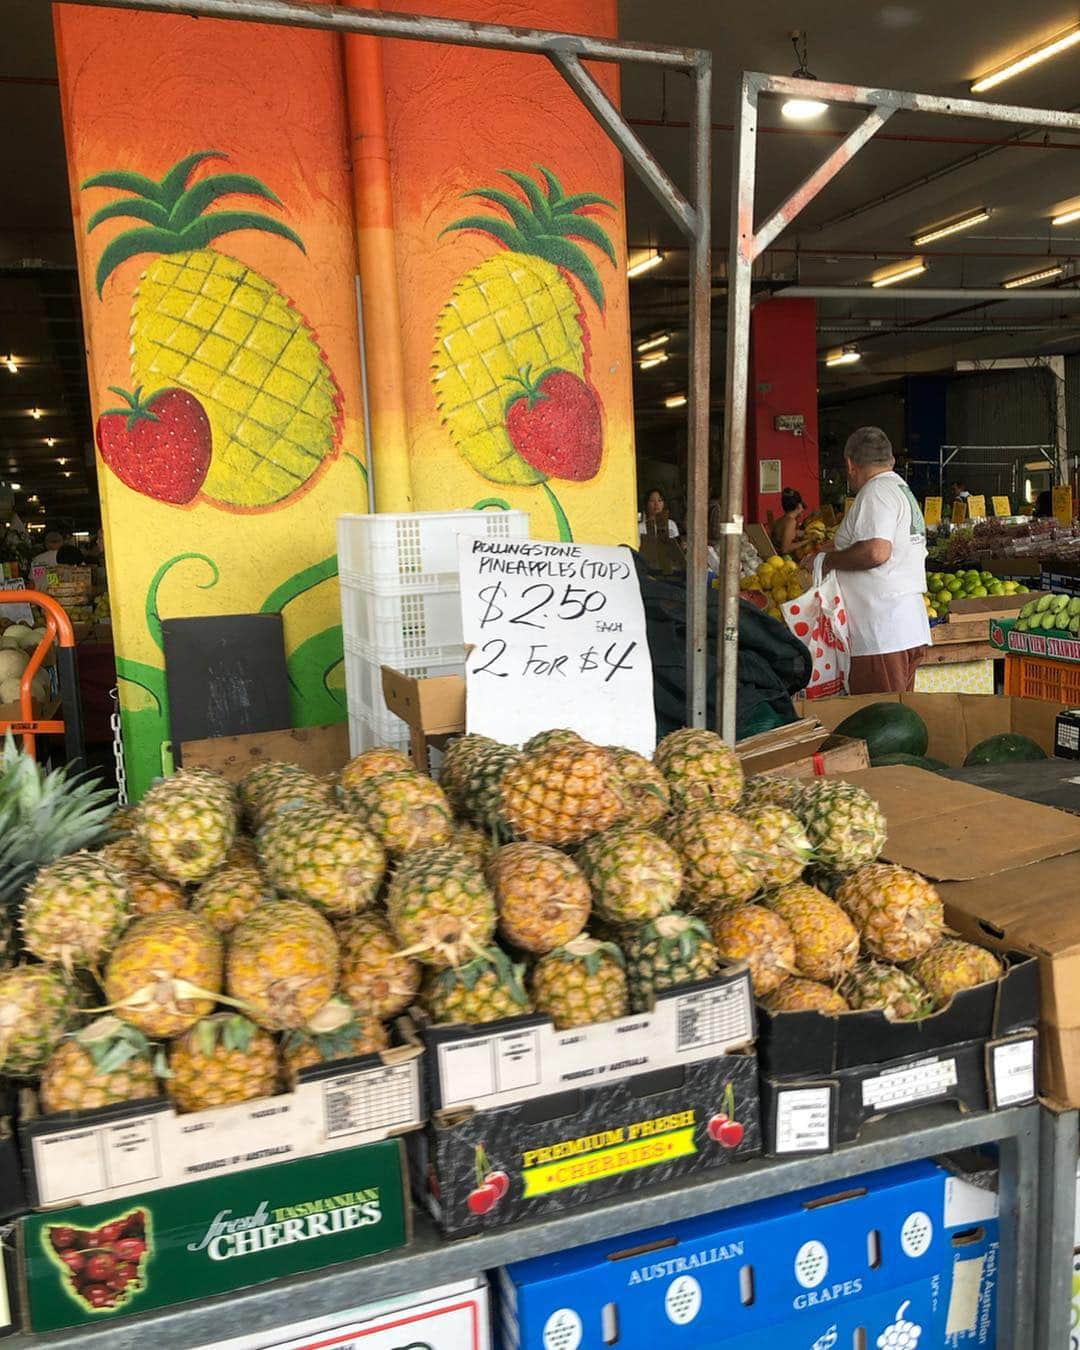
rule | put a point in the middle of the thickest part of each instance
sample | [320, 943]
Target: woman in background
[654, 520]
[785, 530]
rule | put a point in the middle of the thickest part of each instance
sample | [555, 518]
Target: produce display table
[431, 1260]
[1050, 782]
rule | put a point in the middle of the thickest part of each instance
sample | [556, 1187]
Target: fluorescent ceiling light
[11, 364]
[1030, 278]
[35, 413]
[914, 267]
[657, 359]
[15, 487]
[1067, 217]
[803, 109]
[675, 401]
[1032, 57]
[651, 343]
[948, 227]
[648, 260]
[843, 356]
[1038, 465]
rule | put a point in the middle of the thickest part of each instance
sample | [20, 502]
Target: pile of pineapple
[227, 937]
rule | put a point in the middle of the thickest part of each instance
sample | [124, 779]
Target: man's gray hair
[868, 445]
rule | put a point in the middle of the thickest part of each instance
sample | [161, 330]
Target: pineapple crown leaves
[111, 1043]
[486, 960]
[591, 952]
[175, 213]
[677, 934]
[332, 1031]
[545, 225]
[229, 1030]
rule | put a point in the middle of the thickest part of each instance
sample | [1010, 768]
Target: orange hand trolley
[29, 727]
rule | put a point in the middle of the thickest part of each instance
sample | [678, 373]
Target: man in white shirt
[880, 555]
[53, 540]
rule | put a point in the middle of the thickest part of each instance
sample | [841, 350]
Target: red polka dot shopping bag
[819, 618]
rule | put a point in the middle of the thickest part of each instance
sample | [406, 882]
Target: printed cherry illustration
[500, 1181]
[554, 424]
[491, 1184]
[723, 1128]
[483, 1199]
[715, 1125]
[159, 446]
[103, 1266]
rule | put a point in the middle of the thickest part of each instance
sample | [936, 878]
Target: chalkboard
[226, 676]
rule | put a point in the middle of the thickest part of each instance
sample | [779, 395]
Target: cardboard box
[448, 1317]
[557, 1117]
[91, 1157]
[830, 1267]
[210, 1237]
[320, 750]
[955, 722]
[799, 750]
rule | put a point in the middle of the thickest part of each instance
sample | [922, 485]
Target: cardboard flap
[320, 750]
[952, 831]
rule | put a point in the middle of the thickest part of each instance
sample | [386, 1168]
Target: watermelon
[1005, 749]
[887, 729]
[916, 761]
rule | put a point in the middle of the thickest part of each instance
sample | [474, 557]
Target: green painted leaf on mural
[566, 534]
[153, 616]
[298, 584]
[315, 700]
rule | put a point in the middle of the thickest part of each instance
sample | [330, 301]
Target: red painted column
[783, 381]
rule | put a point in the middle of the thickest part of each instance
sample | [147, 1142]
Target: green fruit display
[1009, 747]
[887, 729]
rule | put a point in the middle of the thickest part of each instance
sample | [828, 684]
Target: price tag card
[17, 613]
[932, 511]
[959, 512]
[558, 640]
[976, 507]
[1063, 503]
[1002, 506]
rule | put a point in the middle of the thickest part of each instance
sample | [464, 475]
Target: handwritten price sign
[558, 640]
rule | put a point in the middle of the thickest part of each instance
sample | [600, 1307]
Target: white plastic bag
[819, 618]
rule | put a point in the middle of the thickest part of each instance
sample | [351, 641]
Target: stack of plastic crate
[401, 605]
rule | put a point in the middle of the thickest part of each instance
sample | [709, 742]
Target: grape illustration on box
[233, 402]
[512, 350]
[102, 1268]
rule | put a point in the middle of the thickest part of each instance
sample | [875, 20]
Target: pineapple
[898, 913]
[473, 775]
[826, 941]
[952, 965]
[375, 978]
[515, 310]
[648, 798]
[154, 895]
[323, 857]
[243, 852]
[899, 996]
[165, 973]
[770, 789]
[104, 1064]
[373, 764]
[187, 824]
[221, 1061]
[335, 1032]
[204, 322]
[582, 982]
[797, 995]
[845, 824]
[231, 895]
[633, 874]
[546, 740]
[673, 949]
[125, 853]
[37, 1006]
[276, 786]
[440, 907]
[473, 843]
[485, 989]
[720, 855]
[761, 938]
[403, 811]
[455, 768]
[562, 795]
[541, 896]
[75, 910]
[283, 964]
[784, 844]
[700, 768]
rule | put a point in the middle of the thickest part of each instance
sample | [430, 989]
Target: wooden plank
[320, 750]
[943, 634]
[954, 653]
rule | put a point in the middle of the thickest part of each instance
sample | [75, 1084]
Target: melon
[887, 729]
[1009, 747]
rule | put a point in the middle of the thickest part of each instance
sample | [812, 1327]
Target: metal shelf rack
[1060, 1137]
[431, 1260]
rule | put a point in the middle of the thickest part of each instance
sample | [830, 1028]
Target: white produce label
[558, 640]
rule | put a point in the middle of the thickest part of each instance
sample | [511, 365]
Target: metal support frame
[747, 243]
[567, 51]
[1059, 1129]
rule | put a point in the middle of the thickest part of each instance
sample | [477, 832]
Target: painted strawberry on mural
[159, 446]
[554, 424]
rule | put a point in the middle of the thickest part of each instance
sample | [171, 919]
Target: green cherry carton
[88, 1264]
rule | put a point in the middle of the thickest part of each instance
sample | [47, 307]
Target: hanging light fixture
[1032, 57]
[675, 401]
[11, 364]
[843, 356]
[655, 359]
[947, 227]
[1030, 278]
[802, 109]
[652, 342]
[912, 267]
[645, 262]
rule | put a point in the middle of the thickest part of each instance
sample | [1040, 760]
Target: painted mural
[213, 212]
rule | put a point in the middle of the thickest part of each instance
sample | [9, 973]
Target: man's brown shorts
[889, 673]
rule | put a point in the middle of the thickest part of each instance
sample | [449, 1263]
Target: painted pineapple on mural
[511, 364]
[233, 399]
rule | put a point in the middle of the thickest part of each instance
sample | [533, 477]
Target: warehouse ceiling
[920, 171]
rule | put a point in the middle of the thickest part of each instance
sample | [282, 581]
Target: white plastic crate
[402, 624]
[363, 687]
[418, 550]
[364, 735]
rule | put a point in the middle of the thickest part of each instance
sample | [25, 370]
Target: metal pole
[699, 400]
[1057, 1223]
[422, 27]
[740, 275]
